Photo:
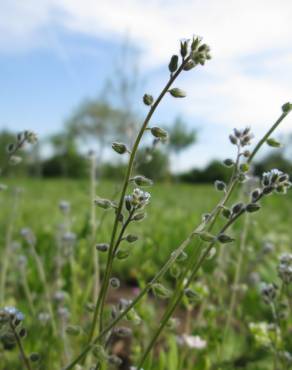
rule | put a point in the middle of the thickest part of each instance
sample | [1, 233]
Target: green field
[174, 211]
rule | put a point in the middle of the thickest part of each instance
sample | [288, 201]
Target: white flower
[194, 341]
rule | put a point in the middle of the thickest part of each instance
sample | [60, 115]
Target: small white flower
[194, 341]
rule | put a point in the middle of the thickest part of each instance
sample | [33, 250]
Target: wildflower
[9, 315]
[285, 268]
[30, 137]
[268, 292]
[138, 199]
[194, 341]
[64, 206]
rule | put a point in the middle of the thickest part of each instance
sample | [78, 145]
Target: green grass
[174, 211]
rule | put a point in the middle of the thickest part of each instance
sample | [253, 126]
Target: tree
[180, 137]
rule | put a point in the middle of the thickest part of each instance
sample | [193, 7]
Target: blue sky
[55, 53]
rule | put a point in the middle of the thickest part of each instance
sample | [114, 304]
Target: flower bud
[206, 237]
[191, 295]
[255, 195]
[244, 167]
[237, 208]
[226, 213]
[10, 148]
[139, 216]
[177, 93]
[159, 132]
[142, 181]
[148, 99]
[287, 107]
[233, 139]
[228, 162]
[220, 185]
[103, 203]
[119, 147]
[173, 64]
[183, 48]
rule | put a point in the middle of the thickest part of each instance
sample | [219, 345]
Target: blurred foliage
[180, 137]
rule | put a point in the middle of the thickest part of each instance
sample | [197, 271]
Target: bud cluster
[275, 181]
[241, 137]
[10, 324]
[268, 292]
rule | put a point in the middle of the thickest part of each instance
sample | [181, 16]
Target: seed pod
[253, 207]
[73, 330]
[174, 271]
[246, 153]
[223, 238]
[161, 291]
[34, 357]
[120, 148]
[206, 237]
[220, 185]
[131, 238]
[102, 247]
[115, 283]
[273, 143]
[142, 181]
[139, 216]
[159, 132]
[228, 162]
[122, 254]
[177, 93]
[103, 203]
[173, 64]
[148, 99]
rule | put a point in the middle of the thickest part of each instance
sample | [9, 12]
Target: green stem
[102, 296]
[23, 356]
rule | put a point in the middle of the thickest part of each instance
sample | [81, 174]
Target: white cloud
[229, 93]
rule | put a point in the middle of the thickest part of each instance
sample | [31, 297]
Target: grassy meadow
[174, 211]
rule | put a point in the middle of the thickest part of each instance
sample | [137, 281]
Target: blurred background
[75, 73]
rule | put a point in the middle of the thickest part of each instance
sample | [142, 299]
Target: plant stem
[103, 292]
[24, 358]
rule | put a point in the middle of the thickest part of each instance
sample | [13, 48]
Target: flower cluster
[268, 292]
[137, 200]
[275, 181]
[285, 268]
[10, 317]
